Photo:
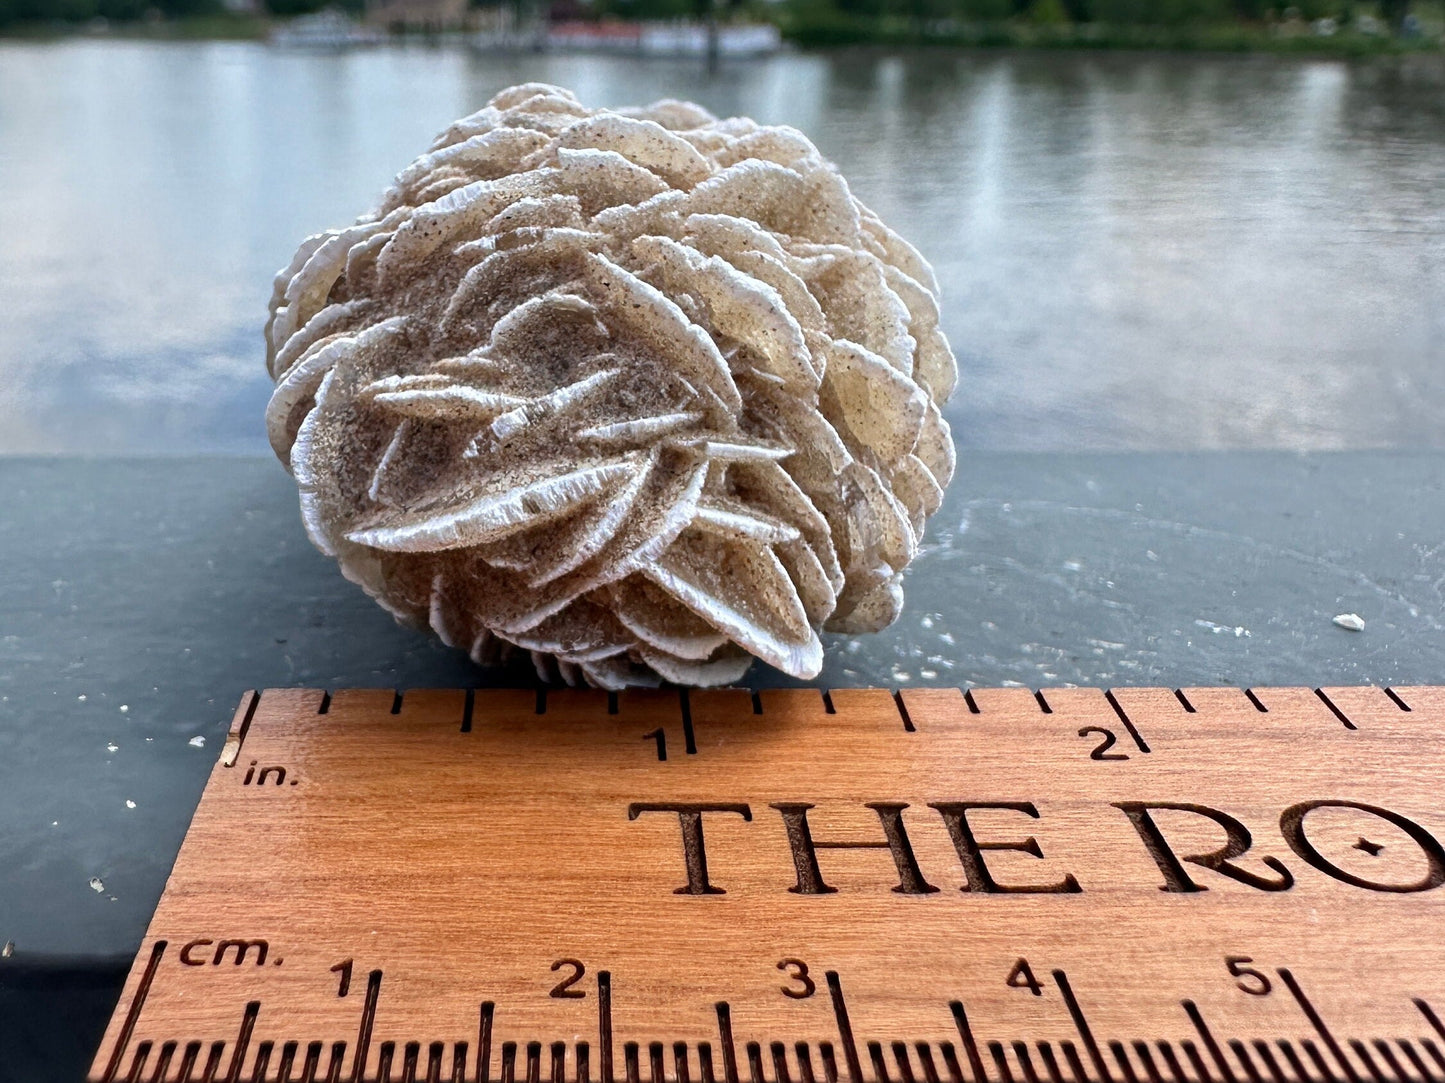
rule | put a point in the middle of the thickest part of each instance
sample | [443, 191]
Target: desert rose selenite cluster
[644, 392]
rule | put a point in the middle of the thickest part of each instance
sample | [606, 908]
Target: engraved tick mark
[1371, 848]
[908, 725]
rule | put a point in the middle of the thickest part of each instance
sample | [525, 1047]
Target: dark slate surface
[139, 599]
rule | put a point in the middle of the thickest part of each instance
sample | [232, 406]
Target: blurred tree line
[1243, 24]
[14, 12]
[810, 21]
[1120, 13]
[859, 15]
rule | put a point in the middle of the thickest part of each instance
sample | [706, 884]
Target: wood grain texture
[439, 855]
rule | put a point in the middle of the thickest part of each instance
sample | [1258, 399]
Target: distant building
[430, 15]
[675, 38]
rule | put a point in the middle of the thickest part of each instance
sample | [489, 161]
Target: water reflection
[1136, 250]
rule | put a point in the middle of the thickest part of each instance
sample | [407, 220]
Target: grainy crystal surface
[644, 392]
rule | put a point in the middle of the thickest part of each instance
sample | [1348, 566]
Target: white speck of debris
[1351, 622]
[1073, 566]
[8, 950]
[1237, 631]
[81, 698]
[112, 747]
[129, 803]
[124, 707]
[54, 823]
[197, 742]
[96, 885]
[926, 621]
[1151, 554]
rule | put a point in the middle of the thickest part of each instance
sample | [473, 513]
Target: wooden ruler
[793, 887]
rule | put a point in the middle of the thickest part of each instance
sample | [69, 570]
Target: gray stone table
[140, 598]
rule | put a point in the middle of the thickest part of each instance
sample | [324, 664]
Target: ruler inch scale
[1204, 885]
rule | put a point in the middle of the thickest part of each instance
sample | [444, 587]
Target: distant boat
[329, 29]
[674, 39]
[690, 39]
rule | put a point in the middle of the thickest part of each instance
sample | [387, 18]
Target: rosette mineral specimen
[644, 392]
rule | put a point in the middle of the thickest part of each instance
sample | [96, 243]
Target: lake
[1136, 250]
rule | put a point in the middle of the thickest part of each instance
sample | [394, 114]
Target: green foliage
[1160, 12]
[1177, 24]
[1048, 13]
[985, 10]
[1240, 25]
[648, 9]
[293, 7]
[22, 12]
[1394, 12]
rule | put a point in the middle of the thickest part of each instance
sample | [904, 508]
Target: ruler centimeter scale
[791, 886]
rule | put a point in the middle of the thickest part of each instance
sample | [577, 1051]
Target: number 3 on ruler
[798, 971]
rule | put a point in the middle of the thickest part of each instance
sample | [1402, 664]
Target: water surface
[1137, 251]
